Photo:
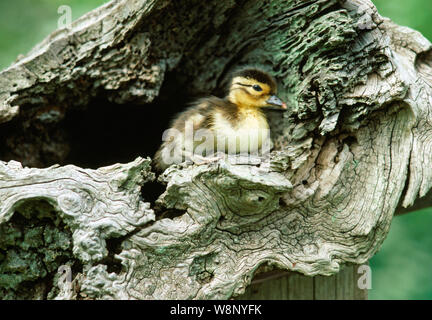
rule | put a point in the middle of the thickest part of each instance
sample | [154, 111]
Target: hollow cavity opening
[99, 134]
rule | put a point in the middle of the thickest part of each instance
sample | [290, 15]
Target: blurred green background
[403, 267]
[24, 23]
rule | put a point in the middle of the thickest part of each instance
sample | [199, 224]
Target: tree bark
[353, 146]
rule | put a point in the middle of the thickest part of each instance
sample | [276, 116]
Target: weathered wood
[352, 147]
[294, 286]
[420, 203]
[325, 287]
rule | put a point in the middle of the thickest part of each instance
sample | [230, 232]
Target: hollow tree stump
[352, 148]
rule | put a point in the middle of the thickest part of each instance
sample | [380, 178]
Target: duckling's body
[250, 123]
[234, 124]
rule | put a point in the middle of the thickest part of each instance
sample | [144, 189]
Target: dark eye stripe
[255, 86]
[244, 85]
[244, 90]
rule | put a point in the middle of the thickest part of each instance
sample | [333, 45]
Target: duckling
[232, 125]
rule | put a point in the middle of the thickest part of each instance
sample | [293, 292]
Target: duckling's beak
[275, 101]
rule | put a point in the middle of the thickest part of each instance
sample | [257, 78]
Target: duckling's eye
[256, 87]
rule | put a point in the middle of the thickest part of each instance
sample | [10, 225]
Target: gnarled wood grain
[354, 144]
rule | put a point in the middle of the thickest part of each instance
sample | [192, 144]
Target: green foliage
[416, 14]
[403, 267]
[24, 23]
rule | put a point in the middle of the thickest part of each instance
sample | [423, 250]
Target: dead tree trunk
[352, 148]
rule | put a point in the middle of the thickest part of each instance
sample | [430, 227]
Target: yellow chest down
[247, 136]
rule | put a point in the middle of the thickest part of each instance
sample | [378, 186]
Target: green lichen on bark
[34, 243]
[62, 222]
[359, 94]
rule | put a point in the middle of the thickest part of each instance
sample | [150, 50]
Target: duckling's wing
[194, 122]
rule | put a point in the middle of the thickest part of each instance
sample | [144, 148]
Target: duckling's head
[253, 88]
